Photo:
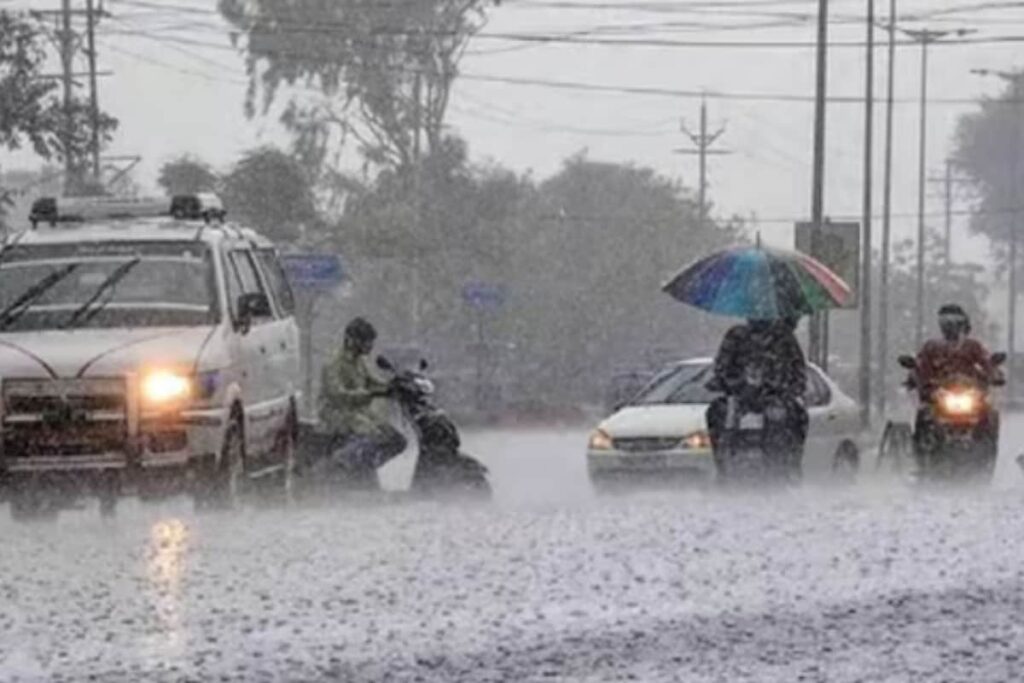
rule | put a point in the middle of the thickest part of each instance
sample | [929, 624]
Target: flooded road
[873, 582]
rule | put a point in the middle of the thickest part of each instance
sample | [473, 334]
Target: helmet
[361, 331]
[954, 322]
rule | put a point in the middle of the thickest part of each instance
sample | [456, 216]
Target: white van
[147, 347]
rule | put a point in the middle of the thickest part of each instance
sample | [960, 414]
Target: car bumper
[611, 462]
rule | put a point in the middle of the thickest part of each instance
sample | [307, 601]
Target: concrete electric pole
[702, 142]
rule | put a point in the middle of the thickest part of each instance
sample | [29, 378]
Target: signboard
[484, 296]
[837, 245]
[313, 271]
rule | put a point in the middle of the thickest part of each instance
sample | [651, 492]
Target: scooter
[957, 445]
[441, 469]
[754, 446]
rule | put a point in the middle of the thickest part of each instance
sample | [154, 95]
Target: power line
[579, 86]
[328, 28]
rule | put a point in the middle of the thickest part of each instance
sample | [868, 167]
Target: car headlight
[164, 387]
[698, 441]
[600, 441]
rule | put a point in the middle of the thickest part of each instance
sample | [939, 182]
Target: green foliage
[30, 110]
[385, 70]
[187, 175]
[582, 256]
[989, 149]
[270, 191]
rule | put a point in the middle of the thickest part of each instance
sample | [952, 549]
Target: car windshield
[110, 285]
[680, 385]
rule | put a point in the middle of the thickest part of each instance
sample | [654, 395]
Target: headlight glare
[697, 441]
[163, 387]
[959, 402]
[600, 441]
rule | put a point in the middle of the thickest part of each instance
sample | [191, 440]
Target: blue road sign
[484, 296]
[313, 271]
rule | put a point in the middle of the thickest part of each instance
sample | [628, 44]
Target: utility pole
[94, 107]
[882, 356]
[947, 180]
[865, 278]
[1015, 80]
[72, 181]
[925, 37]
[819, 323]
[702, 142]
[69, 43]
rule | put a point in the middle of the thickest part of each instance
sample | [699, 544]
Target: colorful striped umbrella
[759, 283]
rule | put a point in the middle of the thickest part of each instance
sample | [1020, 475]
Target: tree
[187, 175]
[384, 69]
[599, 243]
[30, 110]
[990, 150]
[270, 191]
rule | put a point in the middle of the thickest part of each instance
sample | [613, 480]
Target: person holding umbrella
[769, 349]
[772, 289]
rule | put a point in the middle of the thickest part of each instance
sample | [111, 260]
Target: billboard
[837, 245]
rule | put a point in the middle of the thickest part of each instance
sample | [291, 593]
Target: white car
[662, 430]
[144, 346]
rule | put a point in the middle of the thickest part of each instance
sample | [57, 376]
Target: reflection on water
[165, 567]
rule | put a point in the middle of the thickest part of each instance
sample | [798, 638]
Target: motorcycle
[441, 467]
[958, 443]
[755, 445]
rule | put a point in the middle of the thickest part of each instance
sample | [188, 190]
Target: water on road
[872, 582]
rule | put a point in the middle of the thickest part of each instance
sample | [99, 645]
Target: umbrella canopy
[759, 283]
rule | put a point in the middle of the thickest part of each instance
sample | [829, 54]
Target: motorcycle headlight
[959, 402]
[600, 441]
[164, 388]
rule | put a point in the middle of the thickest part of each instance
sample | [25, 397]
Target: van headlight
[164, 387]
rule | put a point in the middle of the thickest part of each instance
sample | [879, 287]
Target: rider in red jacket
[941, 359]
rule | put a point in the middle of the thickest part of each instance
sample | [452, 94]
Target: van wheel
[220, 483]
[846, 462]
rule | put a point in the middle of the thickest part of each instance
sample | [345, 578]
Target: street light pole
[865, 285]
[818, 345]
[925, 37]
[883, 285]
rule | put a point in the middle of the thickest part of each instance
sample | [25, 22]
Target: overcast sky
[178, 86]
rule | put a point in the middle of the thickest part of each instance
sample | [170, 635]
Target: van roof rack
[53, 210]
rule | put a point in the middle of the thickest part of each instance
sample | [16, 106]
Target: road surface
[873, 582]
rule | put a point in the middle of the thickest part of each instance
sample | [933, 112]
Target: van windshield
[107, 285]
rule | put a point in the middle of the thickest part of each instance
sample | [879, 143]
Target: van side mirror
[251, 306]
[384, 364]
[424, 365]
[907, 362]
[999, 358]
